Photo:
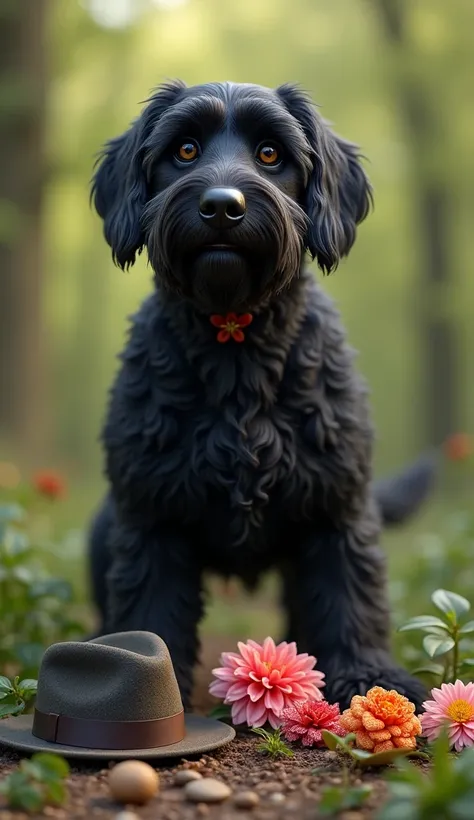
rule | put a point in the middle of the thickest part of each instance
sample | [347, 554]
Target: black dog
[238, 435]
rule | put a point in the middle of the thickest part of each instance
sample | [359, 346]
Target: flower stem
[455, 653]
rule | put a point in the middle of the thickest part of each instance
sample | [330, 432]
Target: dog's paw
[349, 680]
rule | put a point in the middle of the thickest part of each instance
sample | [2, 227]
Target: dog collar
[230, 326]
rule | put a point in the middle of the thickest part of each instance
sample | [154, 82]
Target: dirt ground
[287, 788]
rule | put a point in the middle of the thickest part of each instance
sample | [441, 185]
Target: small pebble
[207, 790]
[246, 800]
[186, 776]
[126, 815]
[133, 781]
[276, 797]
[352, 815]
[172, 795]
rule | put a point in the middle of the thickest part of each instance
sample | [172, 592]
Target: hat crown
[126, 676]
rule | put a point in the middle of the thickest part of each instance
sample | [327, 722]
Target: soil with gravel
[286, 787]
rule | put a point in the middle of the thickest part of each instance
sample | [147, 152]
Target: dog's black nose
[222, 207]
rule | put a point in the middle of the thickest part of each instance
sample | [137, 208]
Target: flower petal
[217, 320]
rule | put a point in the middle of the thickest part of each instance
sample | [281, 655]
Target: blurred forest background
[395, 76]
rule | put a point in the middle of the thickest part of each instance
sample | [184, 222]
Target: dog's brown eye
[187, 151]
[268, 154]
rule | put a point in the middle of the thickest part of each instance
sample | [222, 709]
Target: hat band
[108, 734]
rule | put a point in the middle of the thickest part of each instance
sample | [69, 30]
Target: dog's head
[226, 186]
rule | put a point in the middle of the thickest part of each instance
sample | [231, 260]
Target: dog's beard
[266, 247]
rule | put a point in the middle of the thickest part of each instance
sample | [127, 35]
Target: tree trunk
[432, 197]
[22, 172]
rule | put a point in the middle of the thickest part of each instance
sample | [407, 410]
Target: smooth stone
[126, 815]
[276, 797]
[246, 800]
[133, 781]
[207, 790]
[186, 776]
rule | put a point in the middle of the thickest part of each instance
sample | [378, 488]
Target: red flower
[49, 484]
[458, 447]
[230, 326]
[304, 721]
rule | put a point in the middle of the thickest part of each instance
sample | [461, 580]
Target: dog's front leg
[342, 593]
[155, 585]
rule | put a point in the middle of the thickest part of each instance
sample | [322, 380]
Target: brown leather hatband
[108, 734]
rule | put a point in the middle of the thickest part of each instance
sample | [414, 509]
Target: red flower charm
[49, 484]
[230, 326]
[304, 721]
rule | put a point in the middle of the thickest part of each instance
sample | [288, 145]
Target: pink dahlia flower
[452, 706]
[304, 721]
[260, 680]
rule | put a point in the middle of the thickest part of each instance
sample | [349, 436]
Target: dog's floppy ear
[338, 193]
[119, 188]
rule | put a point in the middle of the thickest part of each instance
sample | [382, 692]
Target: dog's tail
[400, 496]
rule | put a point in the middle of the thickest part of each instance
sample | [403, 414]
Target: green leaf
[11, 709]
[450, 603]
[467, 628]
[435, 646]
[461, 807]
[28, 686]
[331, 800]
[52, 763]
[221, 712]
[332, 741]
[55, 587]
[467, 662]
[261, 732]
[424, 622]
[32, 770]
[30, 798]
[56, 792]
[399, 810]
[432, 669]
[5, 684]
[385, 758]
[29, 654]
[356, 796]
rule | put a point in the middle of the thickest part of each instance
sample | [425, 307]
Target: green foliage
[442, 559]
[445, 636]
[446, 792]
[221, 712]
[36, 783]
[34, 605]
[15, 694]
[272, 744]
[360, 756]
[335, 799]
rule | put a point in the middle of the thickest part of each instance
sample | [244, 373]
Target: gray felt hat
[113, 697]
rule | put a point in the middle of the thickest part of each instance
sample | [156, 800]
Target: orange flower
[458, 447]
[382, 720]
[49, 484]
[230, 326]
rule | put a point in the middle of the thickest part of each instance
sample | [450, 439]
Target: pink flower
[262, 680]
[452, 706]
[304, 721]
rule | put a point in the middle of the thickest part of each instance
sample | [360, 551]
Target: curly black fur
[233, 457]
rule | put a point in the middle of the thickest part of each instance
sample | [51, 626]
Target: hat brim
[202, 735]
